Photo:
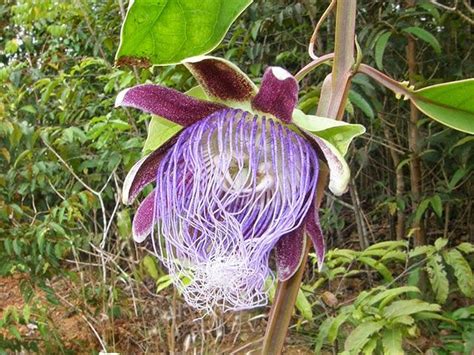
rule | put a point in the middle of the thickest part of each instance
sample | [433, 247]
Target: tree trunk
[414, 144]
[399, 180]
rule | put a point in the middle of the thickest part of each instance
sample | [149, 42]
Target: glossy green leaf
[165, 32]
[424, 35]
[380, 46]
[451, 104]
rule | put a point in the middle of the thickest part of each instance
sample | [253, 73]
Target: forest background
[73, 281]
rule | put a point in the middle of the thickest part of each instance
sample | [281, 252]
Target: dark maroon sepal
[144, 172]
[220, 79]
[278, 94]
[168, 103]
[289, 252]
[143, 220]
[313, 229]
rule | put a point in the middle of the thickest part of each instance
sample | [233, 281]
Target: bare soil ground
[148, 324]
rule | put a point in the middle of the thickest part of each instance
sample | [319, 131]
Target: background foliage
[65, 237]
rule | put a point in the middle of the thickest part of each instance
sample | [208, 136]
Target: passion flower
[236, 183]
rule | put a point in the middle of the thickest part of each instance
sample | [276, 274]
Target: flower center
[238, 175]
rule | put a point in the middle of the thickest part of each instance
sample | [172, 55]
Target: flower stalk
[333, 99]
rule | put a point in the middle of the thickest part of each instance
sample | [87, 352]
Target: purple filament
[231, 186]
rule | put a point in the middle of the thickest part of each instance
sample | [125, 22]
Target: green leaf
[387, 296]
[389, 245]
[370, 347]
[26, 313]
[302, 304]
[438, 279]
[11, 46]
[361, 335]
[431, 315]
[424, 35]
[322, 334]
[462, 271]
[408, 307]
[405, 320]
[359, 101]
[380, 48]
[422, 249]
[437, 205]
[421, 209]
[336, 324]
[197, 92]
[457, 176]
[381, 268]
[466, 248]
[414, 280]
[451, 104]
[163, 282]
[165, 32]
[394, 254]
[150, 267]
[392, 342]
[440, 243]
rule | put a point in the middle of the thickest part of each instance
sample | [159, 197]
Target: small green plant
[348, 262]
[443, 264]
[377, 322]
[457, 335]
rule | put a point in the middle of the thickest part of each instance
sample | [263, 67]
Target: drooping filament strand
[232, 185]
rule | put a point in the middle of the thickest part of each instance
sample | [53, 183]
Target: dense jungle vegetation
[399, 270]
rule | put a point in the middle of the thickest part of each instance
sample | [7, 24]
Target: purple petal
[289, 253]
[221, 79]
[278, 94]
[143, 219]
[144, 172]
[313, 229]
[167, 103]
